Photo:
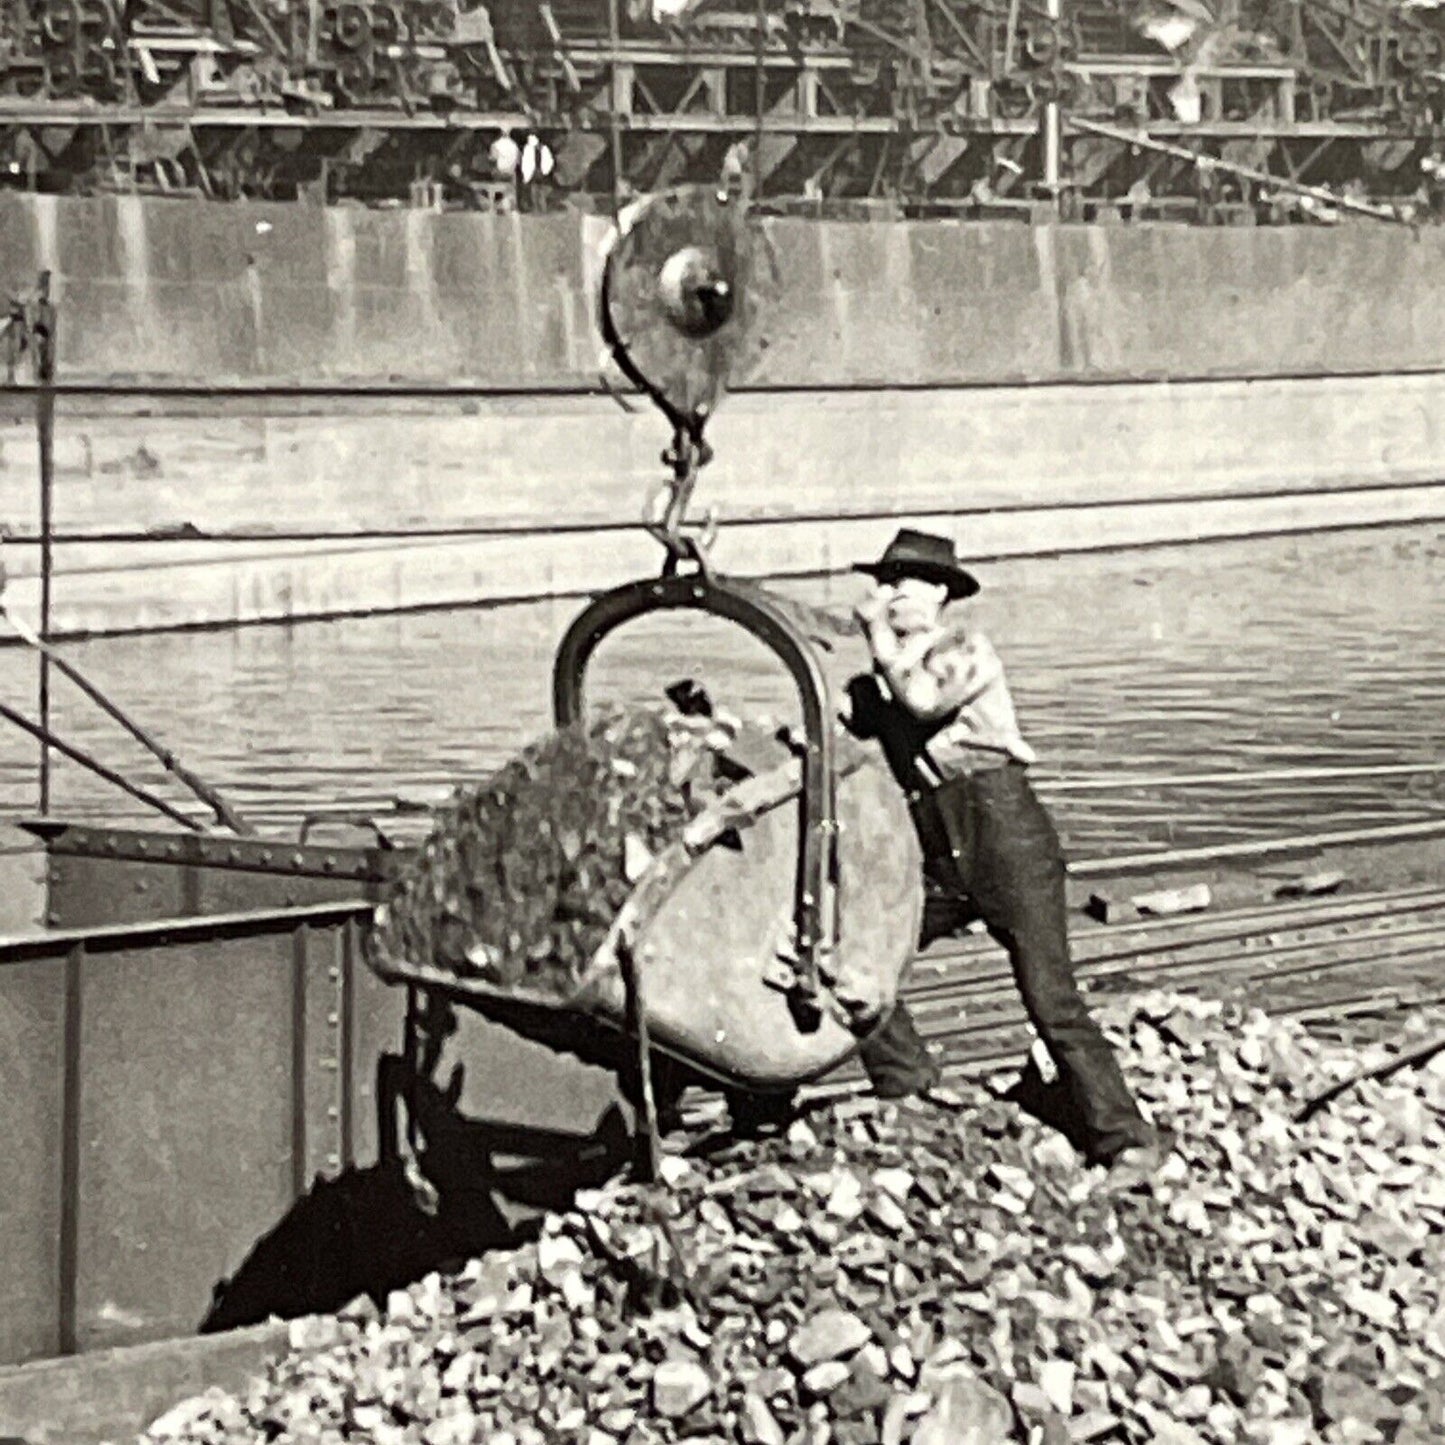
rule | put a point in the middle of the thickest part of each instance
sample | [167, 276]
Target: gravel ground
[919, 1276]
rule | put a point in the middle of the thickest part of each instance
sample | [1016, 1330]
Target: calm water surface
[1227, 656]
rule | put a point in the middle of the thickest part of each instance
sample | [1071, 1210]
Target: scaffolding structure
[960, 107]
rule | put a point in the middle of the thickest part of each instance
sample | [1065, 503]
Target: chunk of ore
[523, 875]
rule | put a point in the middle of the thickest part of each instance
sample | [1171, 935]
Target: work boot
[897, 1061]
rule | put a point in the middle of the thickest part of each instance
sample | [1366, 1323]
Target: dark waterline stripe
[463, 530]
[542, 391]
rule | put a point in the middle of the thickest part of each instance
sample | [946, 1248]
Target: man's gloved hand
[865, 706]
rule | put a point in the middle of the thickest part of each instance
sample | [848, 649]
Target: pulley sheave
[687, 284]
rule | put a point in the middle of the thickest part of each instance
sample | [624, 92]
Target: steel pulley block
[1041, 44]
[62, 75]
[687, 284]
[350, 27]
[388, 27]
[1417, 50]
[354, 76]
[59, 23]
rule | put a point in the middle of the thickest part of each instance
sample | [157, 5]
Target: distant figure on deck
[939, 705]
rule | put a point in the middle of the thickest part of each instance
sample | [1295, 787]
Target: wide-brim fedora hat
[925, 555]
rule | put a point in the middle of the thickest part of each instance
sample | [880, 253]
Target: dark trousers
[988, 837]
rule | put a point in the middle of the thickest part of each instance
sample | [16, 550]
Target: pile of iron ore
[522, 876]
[899, 1273]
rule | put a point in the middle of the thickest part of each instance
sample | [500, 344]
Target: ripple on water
[1244, 655]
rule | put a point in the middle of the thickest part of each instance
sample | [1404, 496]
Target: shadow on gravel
[364, 1233]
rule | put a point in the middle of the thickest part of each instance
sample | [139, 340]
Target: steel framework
[953, 106]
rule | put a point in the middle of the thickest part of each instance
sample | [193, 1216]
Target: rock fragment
[758, 1425]
[829, 1335]
[678, 1387]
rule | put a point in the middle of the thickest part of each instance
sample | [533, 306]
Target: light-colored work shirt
[981, 713]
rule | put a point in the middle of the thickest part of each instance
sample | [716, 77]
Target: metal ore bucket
[766, 940]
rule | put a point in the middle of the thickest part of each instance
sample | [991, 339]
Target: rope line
[225, 814]
[94, 765]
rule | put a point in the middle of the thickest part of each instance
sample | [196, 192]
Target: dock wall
[269, 517]
[1028, 390]
[203, 291]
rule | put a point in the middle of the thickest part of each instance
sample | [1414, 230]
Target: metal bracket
[366, 821]
[686, 456]
[750, 608]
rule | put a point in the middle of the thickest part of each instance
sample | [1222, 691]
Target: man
[938, 704]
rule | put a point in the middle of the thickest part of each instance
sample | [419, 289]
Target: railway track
[1376, 955]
